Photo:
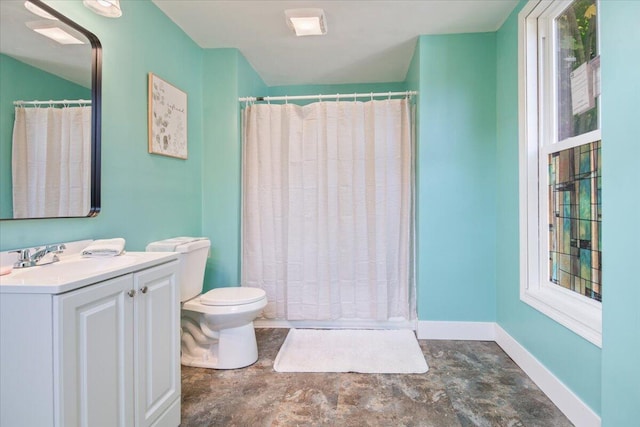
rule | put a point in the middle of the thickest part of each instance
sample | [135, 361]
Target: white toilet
[216, 327]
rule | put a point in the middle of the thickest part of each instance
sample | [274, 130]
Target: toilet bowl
[216, 327]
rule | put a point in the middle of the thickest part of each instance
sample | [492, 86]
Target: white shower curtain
[327, 209]
[51, 162]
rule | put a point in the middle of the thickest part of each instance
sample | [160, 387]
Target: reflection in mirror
[49, 114]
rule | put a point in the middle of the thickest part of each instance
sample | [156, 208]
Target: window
[560, 164]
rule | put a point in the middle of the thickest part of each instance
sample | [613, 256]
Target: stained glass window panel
[575, 228]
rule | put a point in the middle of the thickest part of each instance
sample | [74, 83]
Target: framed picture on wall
[167, 119]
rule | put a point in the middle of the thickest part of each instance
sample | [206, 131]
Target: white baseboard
[467, 331]
[571, 406]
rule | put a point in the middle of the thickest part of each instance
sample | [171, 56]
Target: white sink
[71, 267]
[74, 271]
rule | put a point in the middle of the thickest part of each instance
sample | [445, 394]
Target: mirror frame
[96, 110]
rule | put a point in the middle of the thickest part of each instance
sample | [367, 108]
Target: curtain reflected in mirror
[51, 160]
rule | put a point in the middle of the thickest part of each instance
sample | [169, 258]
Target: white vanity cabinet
[106, 354]
[121, 354]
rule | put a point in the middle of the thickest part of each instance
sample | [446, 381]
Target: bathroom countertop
[74, 272]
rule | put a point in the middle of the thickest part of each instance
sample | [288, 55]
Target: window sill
[574, 312]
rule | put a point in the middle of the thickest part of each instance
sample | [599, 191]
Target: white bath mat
[345, 350]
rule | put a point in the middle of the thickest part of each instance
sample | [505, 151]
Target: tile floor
[469, 383]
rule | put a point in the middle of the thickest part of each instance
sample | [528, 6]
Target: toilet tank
[192, 256]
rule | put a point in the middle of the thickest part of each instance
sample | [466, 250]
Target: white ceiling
[71, 62]
[366, 42]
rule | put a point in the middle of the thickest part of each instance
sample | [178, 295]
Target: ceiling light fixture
[58, 34]
[38, 11]
[108, 8]
[306, 22]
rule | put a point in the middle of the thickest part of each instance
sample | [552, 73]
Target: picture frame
[167, 119]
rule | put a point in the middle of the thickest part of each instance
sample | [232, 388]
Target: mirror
[49, 142]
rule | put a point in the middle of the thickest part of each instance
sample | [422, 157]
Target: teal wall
[226, 77]
[22, 82]
[620, 41]
[456, 176]
[144, 197]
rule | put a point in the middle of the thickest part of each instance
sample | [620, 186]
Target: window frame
[538, 138]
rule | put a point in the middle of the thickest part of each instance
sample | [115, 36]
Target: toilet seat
[196, 306]
[232, 296]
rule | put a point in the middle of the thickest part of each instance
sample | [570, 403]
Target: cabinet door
[94, 336]
[156, 343]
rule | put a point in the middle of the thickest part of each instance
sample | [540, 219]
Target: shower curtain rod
[335, 96]
[63, 102]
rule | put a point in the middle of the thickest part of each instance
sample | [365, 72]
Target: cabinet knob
[131, 293]
[144, 289]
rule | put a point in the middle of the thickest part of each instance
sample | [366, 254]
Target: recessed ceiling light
[57, 31]
[58, 34]
[307, 22]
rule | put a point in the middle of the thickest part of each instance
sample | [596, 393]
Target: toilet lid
[232, 296]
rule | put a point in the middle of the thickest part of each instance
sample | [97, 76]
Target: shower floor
[469, 383]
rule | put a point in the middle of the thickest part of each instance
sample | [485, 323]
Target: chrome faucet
[27, 259]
